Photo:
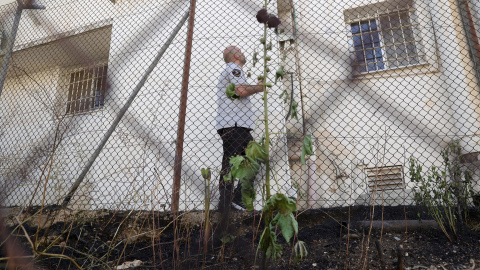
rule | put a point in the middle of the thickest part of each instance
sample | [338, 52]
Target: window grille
[86, 89]
[385, 178]
[385, 40]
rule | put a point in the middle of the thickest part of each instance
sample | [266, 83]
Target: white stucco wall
[383, 118]
[358, 121]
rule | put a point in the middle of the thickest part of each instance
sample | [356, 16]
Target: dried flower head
[262, 16]
[273, 21]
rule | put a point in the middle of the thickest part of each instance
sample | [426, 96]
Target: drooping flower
[273, 21]
[262, 16]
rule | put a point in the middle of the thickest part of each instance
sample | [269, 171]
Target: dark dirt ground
[111, 238]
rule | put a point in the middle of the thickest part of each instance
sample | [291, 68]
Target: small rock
[129, 265]
[314, 264]
[351, 236]
[396, 238]
[235, 259]
[406, 254]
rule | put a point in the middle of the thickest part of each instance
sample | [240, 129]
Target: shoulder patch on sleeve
[236, 72]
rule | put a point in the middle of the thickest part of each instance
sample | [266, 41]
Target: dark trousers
[235, 141]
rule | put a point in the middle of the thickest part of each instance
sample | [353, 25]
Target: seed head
[273, 21]
[262, 16]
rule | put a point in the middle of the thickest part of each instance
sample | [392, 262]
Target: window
[385, 178]
[86, 89]
[386, 40]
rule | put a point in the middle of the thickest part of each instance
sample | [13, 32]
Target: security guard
[235, 120]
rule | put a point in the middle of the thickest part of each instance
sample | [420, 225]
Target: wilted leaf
[279, 74]
[243, 168]
[230, 91]
[248, 194]
[287, 224]
[293, 112]
[256, 152]
[281, 203]
[307, 148]
[300, 250]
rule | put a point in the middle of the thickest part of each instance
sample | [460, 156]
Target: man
[235, 120]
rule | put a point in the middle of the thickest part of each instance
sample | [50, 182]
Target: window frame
[417, 40]
[66, 89]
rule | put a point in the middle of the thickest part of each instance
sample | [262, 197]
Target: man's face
[240, 56]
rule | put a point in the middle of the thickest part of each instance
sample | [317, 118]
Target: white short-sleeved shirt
[237, 111]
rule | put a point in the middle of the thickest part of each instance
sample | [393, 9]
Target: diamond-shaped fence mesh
[374, 83]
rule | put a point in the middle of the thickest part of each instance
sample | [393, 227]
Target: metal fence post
[177, 172]
[16, 23]
[123, 110]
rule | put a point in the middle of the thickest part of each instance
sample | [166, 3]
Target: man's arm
[244, 90]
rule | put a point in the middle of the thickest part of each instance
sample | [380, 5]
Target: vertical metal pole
[177, 171]
[122, 111]
[8, 55]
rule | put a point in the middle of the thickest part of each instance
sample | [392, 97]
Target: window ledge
[393, 70]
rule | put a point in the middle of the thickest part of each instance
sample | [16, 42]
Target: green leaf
[255, 58]
[268, 244]
[256, 152]
[281, 203]
[228, 177]
[243, 168]
[230, 91]
[279, 74]
[248, 194]
[288, 225]
[307, 148]
[236, 161]
[269, 46]
[227, 238]
[293, 112]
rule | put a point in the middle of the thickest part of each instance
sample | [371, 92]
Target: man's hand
[248, 90]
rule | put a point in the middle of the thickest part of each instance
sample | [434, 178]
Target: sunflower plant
[278, 209]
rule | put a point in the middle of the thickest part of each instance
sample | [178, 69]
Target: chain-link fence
[374, 83]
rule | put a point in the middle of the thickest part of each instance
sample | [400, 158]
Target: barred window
[385, 41]
[86, 89]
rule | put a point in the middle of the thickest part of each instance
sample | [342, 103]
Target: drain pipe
[471, 35]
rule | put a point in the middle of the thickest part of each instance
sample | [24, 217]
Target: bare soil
[106, 239]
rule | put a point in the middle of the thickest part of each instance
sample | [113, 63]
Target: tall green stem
[265, 105]
[267, 217]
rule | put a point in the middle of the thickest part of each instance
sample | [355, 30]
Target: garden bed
[105, 239]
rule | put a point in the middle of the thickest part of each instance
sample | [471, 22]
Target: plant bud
[262, 40]
[269, 46]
